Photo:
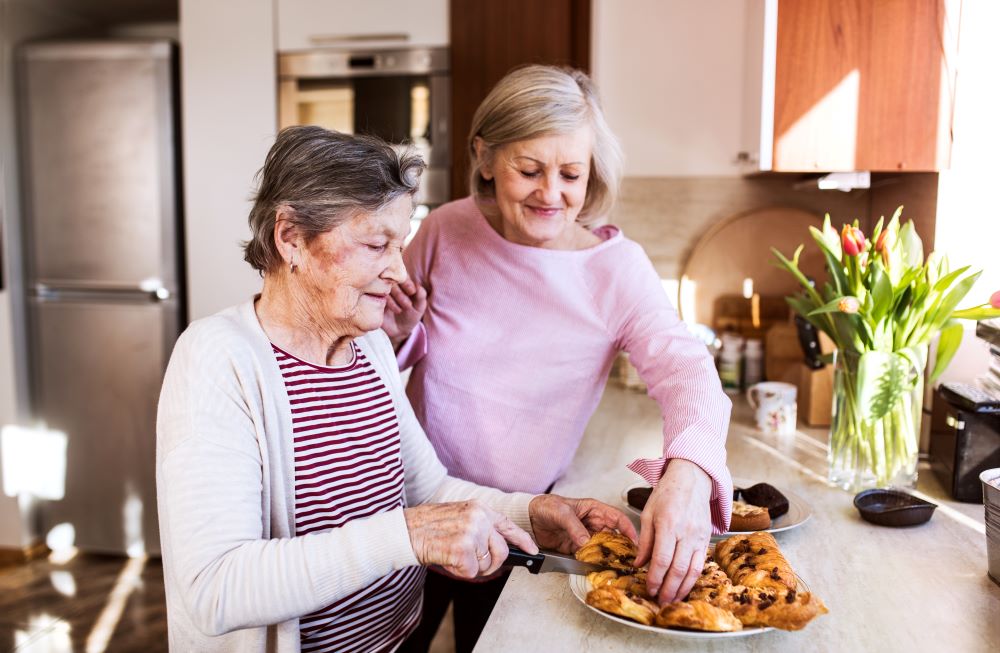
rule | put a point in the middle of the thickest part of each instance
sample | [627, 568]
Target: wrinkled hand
[404, 308]
[467, 538]
[676, 526]
[565, 525]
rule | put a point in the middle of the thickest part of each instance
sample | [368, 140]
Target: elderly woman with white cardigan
[299, 498]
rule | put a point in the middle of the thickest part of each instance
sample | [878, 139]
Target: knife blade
[550, 561]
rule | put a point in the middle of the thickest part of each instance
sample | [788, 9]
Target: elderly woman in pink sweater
[519, 298]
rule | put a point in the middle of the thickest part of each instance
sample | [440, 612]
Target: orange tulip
[883, 244]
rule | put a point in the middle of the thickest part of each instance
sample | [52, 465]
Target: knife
[546, 561]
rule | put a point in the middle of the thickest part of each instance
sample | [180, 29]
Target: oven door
[402, 97]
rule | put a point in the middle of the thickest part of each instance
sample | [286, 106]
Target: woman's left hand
[564, 525]
[676, 526]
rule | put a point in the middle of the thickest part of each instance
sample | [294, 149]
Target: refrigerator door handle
[152, 291]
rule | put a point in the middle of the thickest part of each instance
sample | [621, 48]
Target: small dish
[893, 508]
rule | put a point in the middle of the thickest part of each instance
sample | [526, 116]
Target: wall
[968, 224]
[228, 120]
[19, 20]
[671, 78]
[667, 215]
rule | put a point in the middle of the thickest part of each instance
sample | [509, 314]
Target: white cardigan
[237, 578]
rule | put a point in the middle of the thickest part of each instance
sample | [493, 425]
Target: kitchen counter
[916, 589]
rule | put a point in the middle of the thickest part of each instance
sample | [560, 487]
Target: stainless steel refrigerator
[98, 124]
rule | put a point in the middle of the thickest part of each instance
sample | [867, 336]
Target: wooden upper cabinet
[488, 39]
[851, 84]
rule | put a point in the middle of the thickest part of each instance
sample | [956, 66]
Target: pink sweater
[516, 345]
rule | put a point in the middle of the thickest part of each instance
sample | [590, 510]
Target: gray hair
[324, 178]
[534, 101]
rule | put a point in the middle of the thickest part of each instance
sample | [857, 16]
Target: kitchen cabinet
[838, 85]
[488, 39]
[310, 24]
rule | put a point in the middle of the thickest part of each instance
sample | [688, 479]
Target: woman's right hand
[403, 310]
[467, 538]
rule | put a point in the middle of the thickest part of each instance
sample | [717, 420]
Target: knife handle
[518, 558]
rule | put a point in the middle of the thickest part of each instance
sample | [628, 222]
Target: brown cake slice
[747, 518]
[766, 496]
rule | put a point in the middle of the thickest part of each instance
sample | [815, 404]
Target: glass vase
[879, 453]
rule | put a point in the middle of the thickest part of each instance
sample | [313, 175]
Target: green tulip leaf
[944, 282]
[951, 338]
[881, 293]
[951, 300]
[832, 238]
[908, 278]
[977, 313]
[913, 247]
[933, 267]
[883, 378]
[829, 307]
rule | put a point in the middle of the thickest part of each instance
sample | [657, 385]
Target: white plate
[580, 586]
[798, 510]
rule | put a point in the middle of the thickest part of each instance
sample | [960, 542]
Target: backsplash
[667, 215]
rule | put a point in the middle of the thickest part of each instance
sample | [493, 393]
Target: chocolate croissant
[779, 608]
[623, 603]
[697, 615]
[610, 550]
[755, 561]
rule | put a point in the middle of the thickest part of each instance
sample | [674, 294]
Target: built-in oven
[402, 96]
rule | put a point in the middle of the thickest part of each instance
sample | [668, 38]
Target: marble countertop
[914, 589]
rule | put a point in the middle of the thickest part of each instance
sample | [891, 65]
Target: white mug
[774, 407]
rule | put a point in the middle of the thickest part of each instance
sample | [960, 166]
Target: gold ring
[483, 557]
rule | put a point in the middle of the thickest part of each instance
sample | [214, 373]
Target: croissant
[755, 561]
[779, 608]
[610, 550]
[697, 615]
[623, 603]
[712, 586]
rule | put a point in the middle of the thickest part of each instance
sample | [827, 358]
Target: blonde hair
[534, 101]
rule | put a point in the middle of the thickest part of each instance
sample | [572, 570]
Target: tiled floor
[96, 603]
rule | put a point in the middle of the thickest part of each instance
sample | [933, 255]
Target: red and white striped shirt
[348, 466]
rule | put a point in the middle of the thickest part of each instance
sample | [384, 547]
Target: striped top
[519, 343]
[348, 466]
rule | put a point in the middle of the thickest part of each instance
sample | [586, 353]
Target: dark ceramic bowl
[893, 508]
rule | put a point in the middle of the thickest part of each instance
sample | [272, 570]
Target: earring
[292, 267]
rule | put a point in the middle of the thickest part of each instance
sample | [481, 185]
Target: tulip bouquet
[882, 305]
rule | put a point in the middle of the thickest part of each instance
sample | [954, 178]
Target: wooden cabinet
[488, 39]
[310, 24]
[837, 85]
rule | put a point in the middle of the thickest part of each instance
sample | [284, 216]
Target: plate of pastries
[756, 507]
[747, 587]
